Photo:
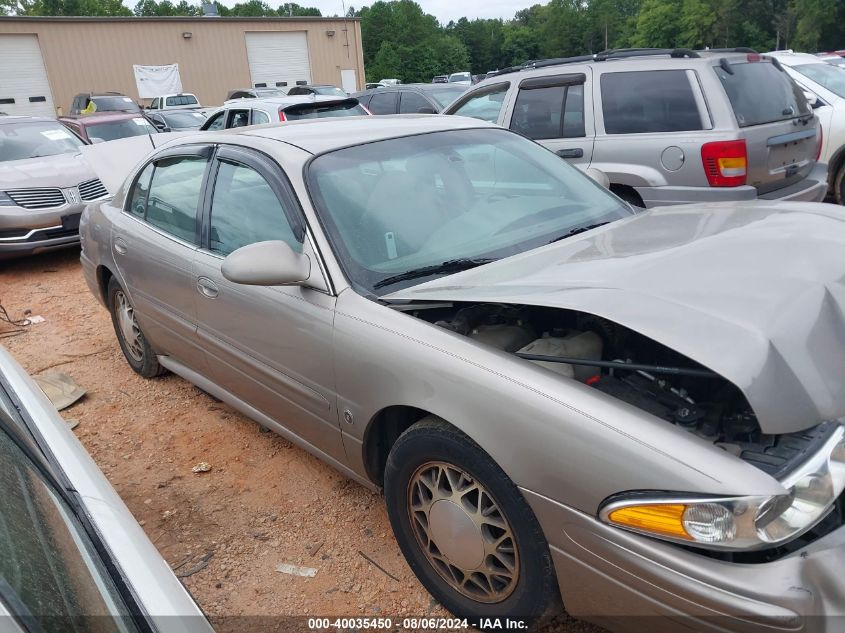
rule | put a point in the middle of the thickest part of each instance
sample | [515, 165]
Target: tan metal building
[45, 61]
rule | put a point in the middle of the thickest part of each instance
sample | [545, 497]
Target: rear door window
[549, 112]
[383, 103]
[413, 102]
[649, 101]
[174, 196]
[760, 93]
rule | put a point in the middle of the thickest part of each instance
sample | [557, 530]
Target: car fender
[551, 435]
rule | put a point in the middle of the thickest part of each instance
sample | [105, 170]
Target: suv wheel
[133, 343]
[464, 528]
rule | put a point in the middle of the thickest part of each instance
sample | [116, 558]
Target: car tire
[478, 506]
[839, 185]
[133, 343]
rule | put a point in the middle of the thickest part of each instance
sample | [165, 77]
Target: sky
[443, 10]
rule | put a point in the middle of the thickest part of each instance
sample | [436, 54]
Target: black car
[410, 98]
[177, 120]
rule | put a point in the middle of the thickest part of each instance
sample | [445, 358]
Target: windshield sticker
[140, 122]
[127, 99]
[56, 135]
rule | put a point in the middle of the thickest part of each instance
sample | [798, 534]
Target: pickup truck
[182, 101]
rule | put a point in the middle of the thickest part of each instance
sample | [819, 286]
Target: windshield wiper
[577, 230]
[445, 268]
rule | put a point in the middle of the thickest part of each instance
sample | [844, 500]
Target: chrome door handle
[207, 287]
[120, 245]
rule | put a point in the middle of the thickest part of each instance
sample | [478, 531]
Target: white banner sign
[154, 81]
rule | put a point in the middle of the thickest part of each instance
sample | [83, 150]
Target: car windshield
[826, 75]
[116, 104]
[400, 205]
[111, 130]
[317, 111]
[760, 93]
[447, 94]
[183, 120]
[330, 91]
[32, 140]
[50, 574]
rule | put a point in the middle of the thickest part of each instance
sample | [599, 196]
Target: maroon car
[108, 126]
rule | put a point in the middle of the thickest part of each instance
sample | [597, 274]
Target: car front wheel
[464, 528]
[137, 351]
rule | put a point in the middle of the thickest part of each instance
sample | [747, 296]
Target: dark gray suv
[666, 126]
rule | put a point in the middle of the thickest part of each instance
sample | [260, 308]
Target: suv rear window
[760, 93]
[649, 101]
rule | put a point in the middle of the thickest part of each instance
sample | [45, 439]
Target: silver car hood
[62, 170]
[755, 292]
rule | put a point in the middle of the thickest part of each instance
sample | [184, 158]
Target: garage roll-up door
[24, 88]
[276, 57]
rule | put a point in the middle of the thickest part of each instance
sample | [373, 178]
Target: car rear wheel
[839, 185]
[464, 528]
[133, 343]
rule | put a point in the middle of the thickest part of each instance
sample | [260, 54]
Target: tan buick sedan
[637, 413]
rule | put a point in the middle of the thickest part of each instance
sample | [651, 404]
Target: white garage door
[276, 57]
[24, 88]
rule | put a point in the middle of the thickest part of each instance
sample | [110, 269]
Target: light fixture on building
[187, 35]
[330, 33]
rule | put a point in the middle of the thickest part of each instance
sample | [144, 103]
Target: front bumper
[29, 231]
[813, 188]
[627, 582]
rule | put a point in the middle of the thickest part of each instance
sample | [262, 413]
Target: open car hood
[113, 161]
[755, 292]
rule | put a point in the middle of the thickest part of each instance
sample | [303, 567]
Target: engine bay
[632, 368]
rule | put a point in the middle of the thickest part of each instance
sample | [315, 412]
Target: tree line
[400, 40]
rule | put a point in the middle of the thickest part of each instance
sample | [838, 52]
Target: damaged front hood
[754, 292]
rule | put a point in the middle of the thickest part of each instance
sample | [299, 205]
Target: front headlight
[739, 523]
[6, 201]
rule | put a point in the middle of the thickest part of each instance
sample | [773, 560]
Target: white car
[464, 78]
[181, 101]
[244, 112]
[72, 557]
[826, 82]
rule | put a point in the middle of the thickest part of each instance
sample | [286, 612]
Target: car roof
[323, 135]
[8, 119]
[791, 58]
[101, 117]
[279, 101]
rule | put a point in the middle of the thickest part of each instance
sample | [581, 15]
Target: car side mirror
[427, 110]
[160, 126]
[272, 263]
[813, 100]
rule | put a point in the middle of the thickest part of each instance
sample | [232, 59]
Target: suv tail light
[821, 141]
[725, 163]
[282, 116]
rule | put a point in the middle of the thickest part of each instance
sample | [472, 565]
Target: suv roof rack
[619, 53]
[738, 49]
